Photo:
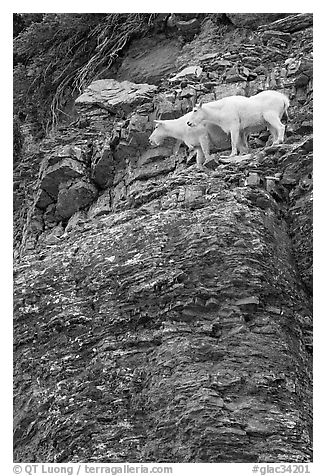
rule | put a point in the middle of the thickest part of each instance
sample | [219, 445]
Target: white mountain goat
[197, 137]
[240, 116]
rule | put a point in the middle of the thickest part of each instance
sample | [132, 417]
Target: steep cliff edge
[164, 313]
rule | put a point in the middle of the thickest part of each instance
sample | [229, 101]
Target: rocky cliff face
[163, 313]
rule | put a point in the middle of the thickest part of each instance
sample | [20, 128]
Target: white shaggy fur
[197, 137]
[194, 137]
[240, 115]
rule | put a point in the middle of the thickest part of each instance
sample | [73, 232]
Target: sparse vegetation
[57, 55]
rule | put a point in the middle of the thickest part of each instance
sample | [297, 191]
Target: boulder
[103, 168]
[77, 196]
[61, 172]
[115, 96]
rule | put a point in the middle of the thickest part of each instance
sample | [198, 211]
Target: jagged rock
[234, 159]
[132, 139]
[292, 64]
[191, 72]
[290, 24]
[34, 226]
[234, 77]
[50, 239]
[306, 127]
[238, 73]
[53, 236]
[272, 184]
[251, 62]
[187, 92]
[139, 130]
[297, 175]
[191, 194]
[103, 168]
[211, 164]
[153, 267]
[43, 199]
[208, 57]
[67, 151]
[167, 107]
[103, 204]
[76, 196]
[307, 144]
[124, 151]
[301, 80]
[153, 169]
[188, 16]
[205, 98]
[115, 96]
[230, 89]
[253, 20]
[59, 173]
[49, 217]
[276, 35]
[253, 179]
[77, 219]
[305, 71]
[151, 155]
[261, 70]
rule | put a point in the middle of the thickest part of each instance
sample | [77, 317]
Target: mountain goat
[240, 116]
[196, 137]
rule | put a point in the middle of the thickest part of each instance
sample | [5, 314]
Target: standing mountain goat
[197, 137]
[240, 116]
[194, 137]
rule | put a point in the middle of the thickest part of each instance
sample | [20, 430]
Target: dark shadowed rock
[59, 173]
[43, 199]
[103, 168]
[73, 198]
